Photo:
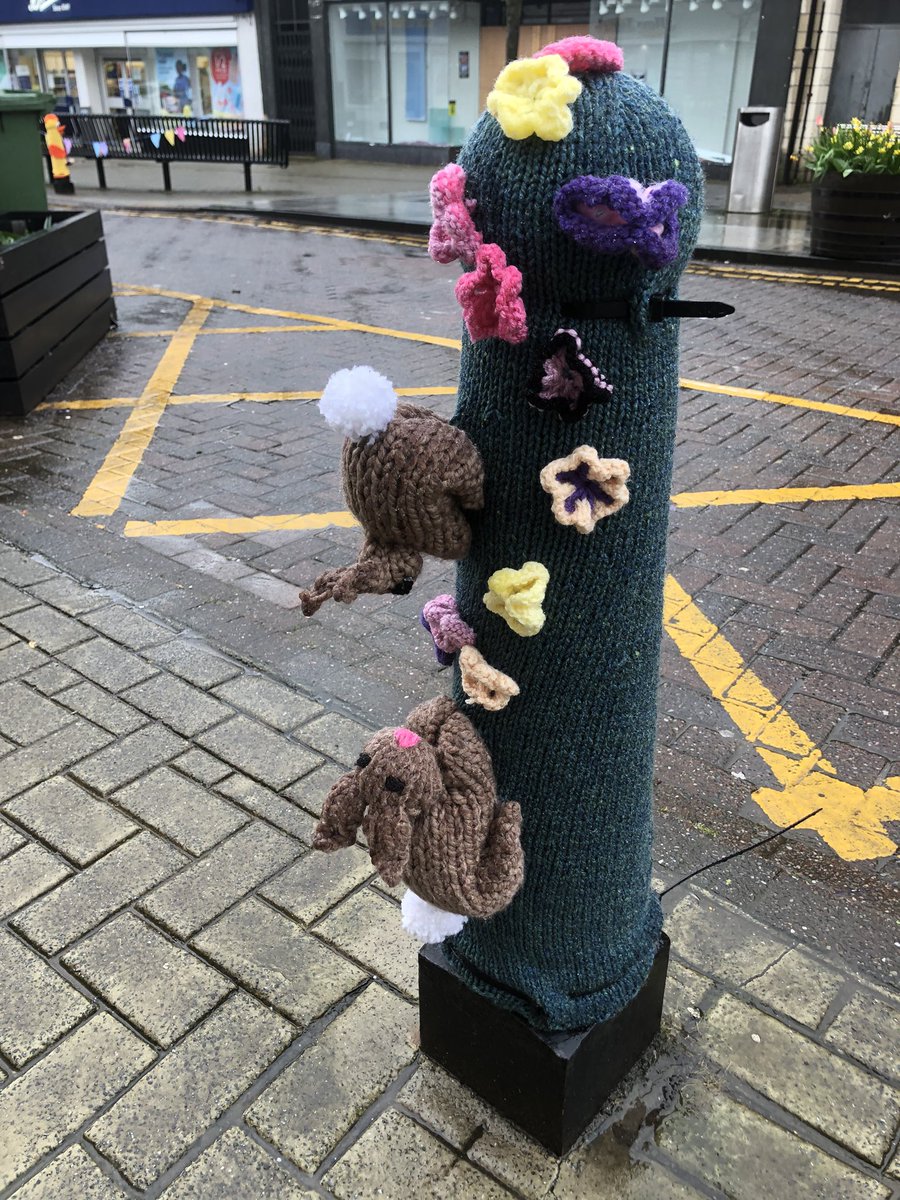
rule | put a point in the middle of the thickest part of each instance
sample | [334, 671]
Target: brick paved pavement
[167, 691]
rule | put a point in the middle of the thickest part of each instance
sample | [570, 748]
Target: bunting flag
[101, 149]
[169, 135]
[126, 142]
[67, 143]
[181, 133]
[156, 138]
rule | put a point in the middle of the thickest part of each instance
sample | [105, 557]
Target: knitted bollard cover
[575, 747]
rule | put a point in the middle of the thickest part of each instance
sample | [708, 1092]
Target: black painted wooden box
[55, 302]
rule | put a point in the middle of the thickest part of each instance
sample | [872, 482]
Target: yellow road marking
[787, 495]
[229, 398]
[345, 520]
[152, 333]
[839, 410]
[852, 821]
[106, 490]
[855, 282]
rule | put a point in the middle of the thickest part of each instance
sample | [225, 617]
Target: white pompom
[358, 402]
[427, 923]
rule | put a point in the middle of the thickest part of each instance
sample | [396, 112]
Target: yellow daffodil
[855, 122]
[847, 146]
[532, 96]
[517, 595]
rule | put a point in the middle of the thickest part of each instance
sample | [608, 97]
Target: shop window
[59, 78]
[21, 71]
[640, 30]
[358, 38]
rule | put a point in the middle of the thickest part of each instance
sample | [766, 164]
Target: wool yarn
[575, 748]
[425, 797]
[410, 486]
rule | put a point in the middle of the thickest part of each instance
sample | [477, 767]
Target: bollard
[59, 167]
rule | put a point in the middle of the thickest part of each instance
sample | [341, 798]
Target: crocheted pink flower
[453, 234]
[448, 630]
[491, 297]
[584, 54]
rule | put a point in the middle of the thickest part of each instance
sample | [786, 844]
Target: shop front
[194, 58]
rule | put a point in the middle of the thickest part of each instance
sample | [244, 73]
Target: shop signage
[17, 12]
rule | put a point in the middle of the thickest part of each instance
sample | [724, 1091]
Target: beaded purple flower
[567, 382]
[615, 215]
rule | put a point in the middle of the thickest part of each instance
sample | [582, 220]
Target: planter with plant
[855, 192]
[55, 301]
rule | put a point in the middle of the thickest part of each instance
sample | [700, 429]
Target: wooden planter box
[55, 303]
[856, 217]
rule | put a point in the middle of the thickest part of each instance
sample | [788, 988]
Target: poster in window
[464, 64]
[227, 98]
[173, 78]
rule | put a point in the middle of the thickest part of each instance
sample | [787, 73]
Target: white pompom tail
[358, 402]
[427, 923]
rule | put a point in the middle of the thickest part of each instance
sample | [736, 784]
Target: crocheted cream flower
[517, 596]
[585, 488]
[482, 683]
[532, 95]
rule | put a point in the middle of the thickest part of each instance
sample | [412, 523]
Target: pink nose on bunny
[406, 738]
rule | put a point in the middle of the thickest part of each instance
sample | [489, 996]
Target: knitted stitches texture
[408, 488]
[426, 800]
[575, 748]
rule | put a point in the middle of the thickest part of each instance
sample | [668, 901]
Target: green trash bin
[22, 179]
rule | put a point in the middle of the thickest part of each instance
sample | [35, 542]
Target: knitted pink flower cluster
[453, 234]
[448, 630]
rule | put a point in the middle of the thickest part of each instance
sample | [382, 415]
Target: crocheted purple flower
[448, 630]
[615, 215]
[567, 382]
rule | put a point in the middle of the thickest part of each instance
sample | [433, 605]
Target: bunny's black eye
[364, 760]
[393, 784]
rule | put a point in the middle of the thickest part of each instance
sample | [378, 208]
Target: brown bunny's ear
[342, 814]
[389, 841]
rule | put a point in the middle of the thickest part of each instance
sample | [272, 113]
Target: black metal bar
[664, 62]
[805, 55]
[248, 182]
[101, 174]
[167, 178]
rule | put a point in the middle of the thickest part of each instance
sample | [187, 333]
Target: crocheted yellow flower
[517, 596]
[532, 95]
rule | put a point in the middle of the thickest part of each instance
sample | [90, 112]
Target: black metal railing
[177, 139]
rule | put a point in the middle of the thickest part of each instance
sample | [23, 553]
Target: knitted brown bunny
[408, 477]
[426, 799]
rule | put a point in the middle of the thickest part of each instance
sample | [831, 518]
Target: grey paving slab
[310, 791]
[269, 701]
[71, 820]
[10, 839]
[38, 1005]
[30, 764]
[163, 1114]
[128, 627]
[367, 927]
[70, 1175]
[26, 716]
[198, 666]
[337, 736]
[107, 664]
[13, 600]
[274, 959]
[19, 660]
[315, 1100]
[317, 882]
[236, 1168]
[53, 677]
[21, 570]
[193, 898]
[56, 920]
[70, 597]
[842, 1101]
[27, 873]
[189, 815]
[161, 988]
[128, 758]
[799, 986]
[50, 630]
[720, 942]
[258, 751]
[265, 803]
[869, 1029]
[75, 1079]
[186, 709]
[99, 706]
[201, 766]
[735, 1149]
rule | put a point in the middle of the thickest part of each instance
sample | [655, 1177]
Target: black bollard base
[552, 1085]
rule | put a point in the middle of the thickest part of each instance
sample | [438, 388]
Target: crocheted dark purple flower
[615, 215]
[567, 382]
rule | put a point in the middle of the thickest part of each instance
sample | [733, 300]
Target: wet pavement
[156, 645]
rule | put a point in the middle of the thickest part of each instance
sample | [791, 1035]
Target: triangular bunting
[169, 135]
[156, 138]
[181, 133]
[67, 142]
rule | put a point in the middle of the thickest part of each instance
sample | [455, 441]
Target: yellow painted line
[152, 333]
[702, 267]
[228, 398]
[345, 520]
[360, 235]
[852, 821]
[839, 410]
[107, 488]
[787, 495]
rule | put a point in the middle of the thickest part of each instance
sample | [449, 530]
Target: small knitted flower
[585, 488]
[491, 297]
[448, 630]
[612, 214]
[453, 234]
[586, 54]
[482, 683]
[532, 96]
[567, 382]
[517, 596]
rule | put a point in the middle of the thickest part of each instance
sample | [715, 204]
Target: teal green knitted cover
[576, 747]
